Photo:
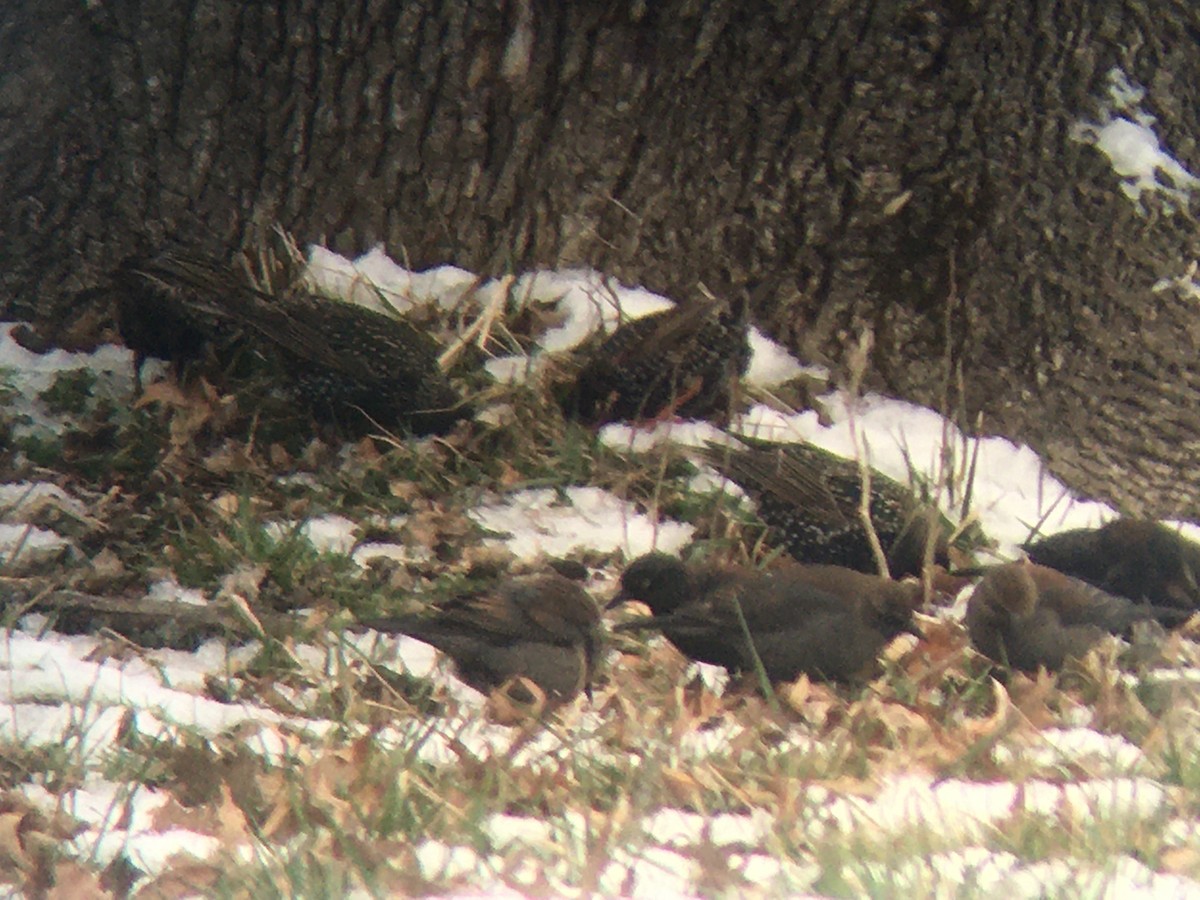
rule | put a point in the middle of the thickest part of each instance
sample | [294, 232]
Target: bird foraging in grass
[679, 362]
[545, 628]
[1028, 616]
[824, 621]
[349, 364]
[1135, 558]
[810, 501]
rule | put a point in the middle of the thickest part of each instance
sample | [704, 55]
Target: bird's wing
[556, 609]
[773, 601]
[660, 332]
[1076, 602]
[780, 475]
[205, 285]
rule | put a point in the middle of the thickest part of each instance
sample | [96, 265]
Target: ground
[288, 752]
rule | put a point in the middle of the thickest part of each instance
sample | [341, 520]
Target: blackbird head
[658, 580]
[1139, 547]
[1010, 588]
[892, 605]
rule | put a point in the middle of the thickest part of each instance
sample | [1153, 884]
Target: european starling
[543, 627]
[1134, 558]
[827, 621]
[345, 361]
[682, 361]
[810, 498]
[1025, 616]
[155, 321]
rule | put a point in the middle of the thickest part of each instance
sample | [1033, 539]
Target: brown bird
[1025, 616]
[350, 364]
[809, 499]
[827, 621]
[682, 361]
[1135, 558]
[543, 627]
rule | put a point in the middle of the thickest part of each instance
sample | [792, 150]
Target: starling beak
[826, 621]
[1026, 616]
[678, 362]
[345, 361]
[809, 499]
[1134, 558]
[542, 627]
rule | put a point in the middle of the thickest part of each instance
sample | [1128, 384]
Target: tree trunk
[910, 167]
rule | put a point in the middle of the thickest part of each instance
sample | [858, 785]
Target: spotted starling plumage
[543, 627]
[353, 365]
[1025, 616]
[809, 499]
[825, 621]
[682, 361]
[1135, 558]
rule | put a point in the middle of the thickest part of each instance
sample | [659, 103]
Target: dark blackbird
[1025, 616]
[350, 364]
[544, 627]
[827, 621]
[1135, 558]
[809, 499]
[682, 361]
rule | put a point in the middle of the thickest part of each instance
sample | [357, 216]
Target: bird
[1140, 559]
[1027, 616]
[679, 362]
[349, 364]
[828, 622]
[810, 501]
[545, 628]
[153, 321]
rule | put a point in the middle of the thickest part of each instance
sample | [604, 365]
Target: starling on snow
[344, 360]
[1135, 558]
[545, 628]
[679, 362]
[1025, 616]
[810, 500]
[826, 621]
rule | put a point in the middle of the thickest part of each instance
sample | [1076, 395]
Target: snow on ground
[60, 691]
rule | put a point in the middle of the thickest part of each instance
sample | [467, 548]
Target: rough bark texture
[908, 166]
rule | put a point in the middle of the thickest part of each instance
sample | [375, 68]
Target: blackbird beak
[622, 597]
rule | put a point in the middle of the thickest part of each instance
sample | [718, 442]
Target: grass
[409, 790]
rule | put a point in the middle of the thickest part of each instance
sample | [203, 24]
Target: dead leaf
[279, 457]
[686, 790]
[232, 458]
[72, 881]
[226, 505]
[1182, 860]
[232, 826]
[12, 849]
[795, 693]
[166, 392]
[517, 700]
[185, 878]
[404, 490]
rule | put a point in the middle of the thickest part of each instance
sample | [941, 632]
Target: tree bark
[911, 167]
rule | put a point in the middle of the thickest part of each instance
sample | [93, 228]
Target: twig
[857, 365]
